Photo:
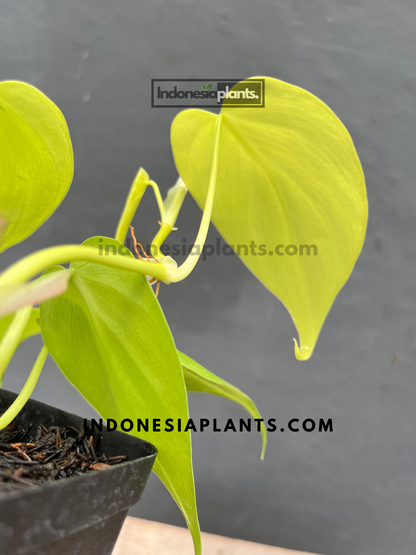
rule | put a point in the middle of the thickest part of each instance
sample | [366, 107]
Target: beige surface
[142, 537]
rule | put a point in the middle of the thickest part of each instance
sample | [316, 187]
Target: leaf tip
[302, 353]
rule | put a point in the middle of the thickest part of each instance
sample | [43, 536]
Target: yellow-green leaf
[3, 225]
[201, 380]
[110, 338]
[288, 174]
[36, 160]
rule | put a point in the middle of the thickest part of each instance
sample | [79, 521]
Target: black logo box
[257, 84]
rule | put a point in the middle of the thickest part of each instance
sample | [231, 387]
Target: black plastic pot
[80, 515]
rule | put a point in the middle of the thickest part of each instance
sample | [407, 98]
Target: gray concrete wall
[352, 492]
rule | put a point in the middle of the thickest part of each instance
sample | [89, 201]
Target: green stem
[186, 268]
[159, 239]
[33, 264]
[11, 338]
[26, 392]
[158, 197]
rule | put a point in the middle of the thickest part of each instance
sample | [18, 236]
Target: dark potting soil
[40, 454]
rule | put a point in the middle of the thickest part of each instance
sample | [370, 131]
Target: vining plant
[286, 173]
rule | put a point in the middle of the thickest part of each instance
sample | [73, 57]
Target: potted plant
[279, 183]
[84, 511]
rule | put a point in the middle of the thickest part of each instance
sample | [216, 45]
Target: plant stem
[11, 338]
[158, 197]
[33, 264]
[186, 268]
[26, 392]
[159, 239]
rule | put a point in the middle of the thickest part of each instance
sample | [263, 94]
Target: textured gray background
[352, 492]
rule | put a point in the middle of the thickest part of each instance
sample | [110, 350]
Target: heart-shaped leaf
[201, 380]
[36, 160]
[110, 338]
[290, 196]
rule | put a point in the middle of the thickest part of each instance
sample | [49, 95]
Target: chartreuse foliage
[36, 161]
[201, 380]
[288, 174]
[284, 174]
[110, 338]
